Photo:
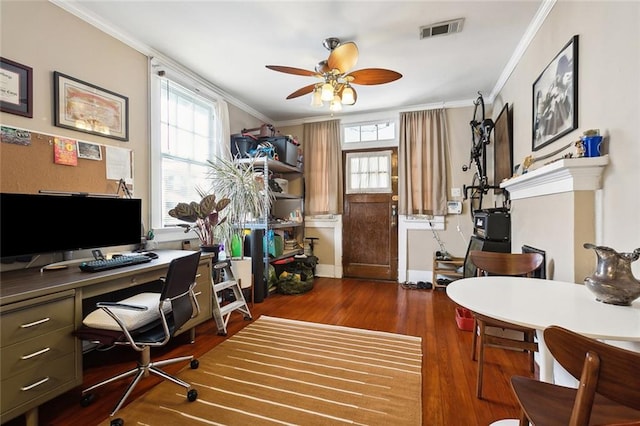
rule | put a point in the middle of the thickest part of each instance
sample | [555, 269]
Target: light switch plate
[454, 207]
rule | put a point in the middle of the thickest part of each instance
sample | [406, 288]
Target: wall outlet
[456, 192]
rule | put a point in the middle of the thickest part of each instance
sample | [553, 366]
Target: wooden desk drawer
[118, 284]
[36, 385]
[41, 316]
[37, 352]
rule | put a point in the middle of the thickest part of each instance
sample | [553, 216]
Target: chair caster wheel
[87, 399]
[222, 334]
[194, 364]
[117, 422]
[192, 395]
[247, 318]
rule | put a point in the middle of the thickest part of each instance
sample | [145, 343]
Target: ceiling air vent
[442, 28]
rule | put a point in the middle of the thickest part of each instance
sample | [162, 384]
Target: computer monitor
[35, 223]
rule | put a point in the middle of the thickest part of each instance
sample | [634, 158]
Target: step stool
[221, 313]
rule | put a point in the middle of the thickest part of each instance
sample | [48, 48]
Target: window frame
[385, 190]
[159, 71]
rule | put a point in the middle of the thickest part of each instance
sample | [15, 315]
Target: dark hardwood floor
[449, 374]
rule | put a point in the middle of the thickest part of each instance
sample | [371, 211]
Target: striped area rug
[284, 372]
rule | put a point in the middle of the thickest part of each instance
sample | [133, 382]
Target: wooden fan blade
[371, 76]
[302, 91]
[292, 70]
[343, 57]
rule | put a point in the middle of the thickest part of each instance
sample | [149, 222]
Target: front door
[370, 231]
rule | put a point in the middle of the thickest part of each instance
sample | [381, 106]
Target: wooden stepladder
[222, 309]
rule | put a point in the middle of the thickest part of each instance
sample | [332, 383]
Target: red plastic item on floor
[464, 319]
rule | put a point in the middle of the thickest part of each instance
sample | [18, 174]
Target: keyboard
[115, 262]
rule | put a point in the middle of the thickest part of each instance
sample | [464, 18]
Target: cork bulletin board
[28, 165]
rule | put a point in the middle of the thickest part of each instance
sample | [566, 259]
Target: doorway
[370, 218]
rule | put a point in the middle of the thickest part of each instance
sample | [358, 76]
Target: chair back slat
[180, 276]
[619, 370]
[513, 264]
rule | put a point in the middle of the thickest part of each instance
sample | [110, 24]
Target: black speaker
[477, 243]
[257, 260]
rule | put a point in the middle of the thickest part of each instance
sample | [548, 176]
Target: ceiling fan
[336, 80]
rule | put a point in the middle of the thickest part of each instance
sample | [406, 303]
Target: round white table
[538, 303]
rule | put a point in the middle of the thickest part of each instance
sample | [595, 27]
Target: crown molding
[75, 8]
[522, 46]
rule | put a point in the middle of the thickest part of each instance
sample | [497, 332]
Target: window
[370, 132]
[184, 129]
[368, 172]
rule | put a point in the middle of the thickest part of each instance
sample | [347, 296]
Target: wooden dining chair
[512, 264]
[608, 392]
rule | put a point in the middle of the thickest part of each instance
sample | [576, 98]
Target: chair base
[143, 369]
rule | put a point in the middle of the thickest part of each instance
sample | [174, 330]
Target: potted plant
[249, 197]
[250, 200]
[203, 218]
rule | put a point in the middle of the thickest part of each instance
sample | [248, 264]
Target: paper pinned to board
[119, 165]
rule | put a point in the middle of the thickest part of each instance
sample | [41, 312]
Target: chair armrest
[121, 305]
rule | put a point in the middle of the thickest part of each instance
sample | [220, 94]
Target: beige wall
[46, 38]
[609, 99]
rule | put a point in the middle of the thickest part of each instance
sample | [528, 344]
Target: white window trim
[382, 143]
[161, 233]
[349, 190]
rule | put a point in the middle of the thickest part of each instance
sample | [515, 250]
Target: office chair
[143, 321]
[513, 264]
[608, 392]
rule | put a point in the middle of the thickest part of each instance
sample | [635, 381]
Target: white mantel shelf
[566, 175]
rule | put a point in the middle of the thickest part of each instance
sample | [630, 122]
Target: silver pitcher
[613, 282]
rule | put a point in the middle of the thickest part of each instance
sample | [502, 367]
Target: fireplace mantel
[566, 175]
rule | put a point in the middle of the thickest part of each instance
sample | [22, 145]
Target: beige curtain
[422, 162]
[322, 168]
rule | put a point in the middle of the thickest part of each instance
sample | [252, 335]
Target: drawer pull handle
[36, 384]
[32, 324]
[198, 276]
[198, 293]
[40, 352]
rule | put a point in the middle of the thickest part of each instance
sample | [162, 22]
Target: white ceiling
[229, 43]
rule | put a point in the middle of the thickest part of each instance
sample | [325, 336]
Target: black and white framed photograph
[555, 97]
[85, 107]
[16, 88]
[89, 151]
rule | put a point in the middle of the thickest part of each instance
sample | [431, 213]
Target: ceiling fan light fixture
[347, 96]
[327, 92]
[316, 97]
[336, 104]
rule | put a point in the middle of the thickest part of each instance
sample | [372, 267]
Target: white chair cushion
[131, 318]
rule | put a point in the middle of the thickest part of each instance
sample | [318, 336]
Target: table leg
[546, 359]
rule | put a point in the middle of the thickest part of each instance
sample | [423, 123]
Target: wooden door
[370, 233]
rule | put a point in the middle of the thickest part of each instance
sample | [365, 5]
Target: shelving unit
[447, 268]
[279, 218]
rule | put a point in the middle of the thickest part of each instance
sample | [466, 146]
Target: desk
[39, 357]
[538, 303]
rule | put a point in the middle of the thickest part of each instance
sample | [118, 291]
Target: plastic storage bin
[286, 148]
[464, 319]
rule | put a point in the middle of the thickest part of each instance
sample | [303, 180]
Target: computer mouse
[151, 255]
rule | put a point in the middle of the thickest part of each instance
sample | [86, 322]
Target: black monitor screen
[36, 223]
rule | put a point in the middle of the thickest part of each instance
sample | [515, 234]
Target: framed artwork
[88, 108]
[503, 148]
[89, 151]
[16, 88]
[555, 97]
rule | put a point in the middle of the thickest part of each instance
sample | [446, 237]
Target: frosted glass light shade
[327, 92]
[347, 96]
